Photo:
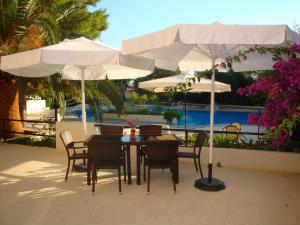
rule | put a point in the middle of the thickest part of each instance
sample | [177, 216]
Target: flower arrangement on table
[132, 124]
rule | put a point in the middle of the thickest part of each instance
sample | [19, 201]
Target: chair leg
[196, 165]
[142, 159]
[148, 179]
[119, 176]
[68, 168]
[94, 175]
[144, 171]
[199, 165]
[173, 179]
[124, 169]
[73, 165]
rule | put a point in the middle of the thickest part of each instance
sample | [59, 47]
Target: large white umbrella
[199, 47]
[202, 85]
[77, 59]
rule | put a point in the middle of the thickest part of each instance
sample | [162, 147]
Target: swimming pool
[194, 117]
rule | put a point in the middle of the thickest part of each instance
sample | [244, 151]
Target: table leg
[177, 171]
[88, 170]
[138, 166]
[128, 164]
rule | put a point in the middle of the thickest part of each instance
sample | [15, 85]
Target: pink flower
[130, 123]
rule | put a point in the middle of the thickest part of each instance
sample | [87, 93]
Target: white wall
[35, 106]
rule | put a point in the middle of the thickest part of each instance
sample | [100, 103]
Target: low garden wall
[235, 158]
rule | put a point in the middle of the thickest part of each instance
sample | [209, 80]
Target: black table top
[126, 139]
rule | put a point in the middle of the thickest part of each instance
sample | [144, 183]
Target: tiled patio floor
[33, 192]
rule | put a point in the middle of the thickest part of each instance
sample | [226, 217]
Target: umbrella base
[214, 185]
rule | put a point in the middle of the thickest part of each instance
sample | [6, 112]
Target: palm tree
[21, 29]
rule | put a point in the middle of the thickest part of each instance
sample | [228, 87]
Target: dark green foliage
[34, 141]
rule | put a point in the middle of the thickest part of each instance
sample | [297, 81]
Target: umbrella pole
[185, 120]
[210, 183]
[83, 114]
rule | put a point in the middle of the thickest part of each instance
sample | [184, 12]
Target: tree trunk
[9, 105]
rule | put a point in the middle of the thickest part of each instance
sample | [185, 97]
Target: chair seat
[78, 156]
[187, 155]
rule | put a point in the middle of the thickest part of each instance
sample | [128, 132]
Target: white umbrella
[77, 59]
[202, 85]
[199, 47]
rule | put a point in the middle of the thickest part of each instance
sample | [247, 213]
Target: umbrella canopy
[193, 46]
[199, 47]
[204, 85]
[77, 59]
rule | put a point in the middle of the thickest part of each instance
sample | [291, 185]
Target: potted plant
[170, 115]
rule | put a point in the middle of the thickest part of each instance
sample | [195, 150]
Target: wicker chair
[196, 151]
[70, 144]
[161, 155]
[106, 155]
[111, 130]
[148, 130]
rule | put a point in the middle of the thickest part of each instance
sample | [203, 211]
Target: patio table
[127, 142]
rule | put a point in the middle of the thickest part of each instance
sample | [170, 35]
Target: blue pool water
[199, 117]
[195, 117]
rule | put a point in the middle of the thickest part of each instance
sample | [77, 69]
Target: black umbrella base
[204, 185]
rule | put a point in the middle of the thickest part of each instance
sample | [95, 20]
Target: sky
[131, 18]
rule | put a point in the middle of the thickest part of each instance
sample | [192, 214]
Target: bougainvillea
[283, 97]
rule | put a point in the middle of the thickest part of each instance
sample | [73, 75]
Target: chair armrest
[79, 144]
[79, 147]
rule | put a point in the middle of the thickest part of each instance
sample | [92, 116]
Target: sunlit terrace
[33, 191]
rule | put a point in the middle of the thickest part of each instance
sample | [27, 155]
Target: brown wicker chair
[196, 151]
[106, 154]
[111, 130]
[161, 155]
[148, 130]
[70, 144]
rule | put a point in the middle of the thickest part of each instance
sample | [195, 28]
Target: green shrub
[260, 144]
[34, 141]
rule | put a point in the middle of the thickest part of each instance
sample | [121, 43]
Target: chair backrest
[152, 130]
[201, 135]
[162, 150]
[234, 127]
[67, 138]
[111, 130]
[105, 151]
